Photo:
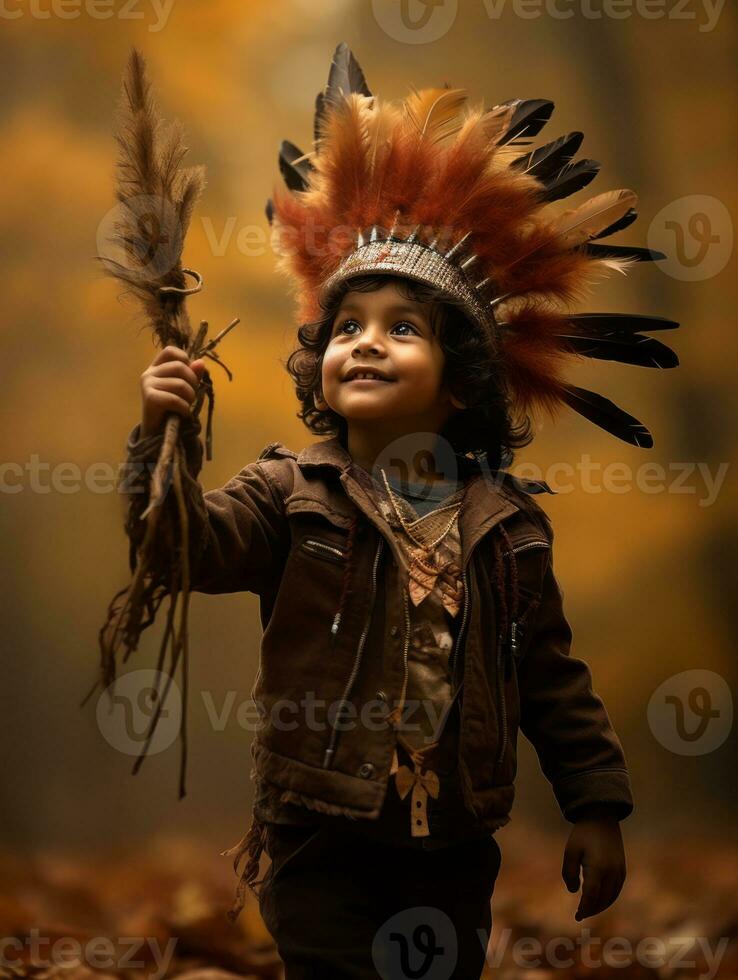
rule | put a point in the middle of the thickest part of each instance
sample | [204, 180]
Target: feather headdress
[442, 192]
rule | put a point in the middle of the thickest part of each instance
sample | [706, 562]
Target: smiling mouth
[367, 377]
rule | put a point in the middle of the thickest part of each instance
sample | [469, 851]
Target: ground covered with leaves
[161, 913]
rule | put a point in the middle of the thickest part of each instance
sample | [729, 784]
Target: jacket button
[393, 631]
[366, 770]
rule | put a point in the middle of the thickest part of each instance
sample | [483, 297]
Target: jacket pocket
[323, 549]
[529, 600]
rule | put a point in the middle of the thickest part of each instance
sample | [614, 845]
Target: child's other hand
[596, 844]
[168, 384]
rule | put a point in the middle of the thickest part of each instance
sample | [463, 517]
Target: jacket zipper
[531, 544]
[538, 543]
[504, 664]
[406, 647]
[330, 751]
[457, 647]
[503, 708]
[311, 544]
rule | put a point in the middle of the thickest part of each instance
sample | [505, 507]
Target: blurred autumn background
[87, 848]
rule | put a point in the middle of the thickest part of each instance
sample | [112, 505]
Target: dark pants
[341, 907]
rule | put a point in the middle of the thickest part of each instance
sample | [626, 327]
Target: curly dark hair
[484, 428]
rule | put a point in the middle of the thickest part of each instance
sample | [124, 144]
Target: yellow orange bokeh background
[649, 578]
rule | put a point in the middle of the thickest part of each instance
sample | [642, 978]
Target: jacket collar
[487, 502]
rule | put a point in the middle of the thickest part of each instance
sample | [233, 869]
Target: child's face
[385, 332]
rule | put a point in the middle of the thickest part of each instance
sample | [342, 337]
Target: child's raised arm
[238, 534]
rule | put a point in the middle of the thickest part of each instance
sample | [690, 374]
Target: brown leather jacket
[279, 529]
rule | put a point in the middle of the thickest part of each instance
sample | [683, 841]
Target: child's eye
[344, 324]
[406, 323]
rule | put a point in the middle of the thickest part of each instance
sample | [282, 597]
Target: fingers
[174, 361]
[596, 887]
[174, 369]
[591, 888]
[160, 400]
[570, 868]
[171, 353]
[601, 888]
[177, 386]
[612, 883]
[169, 384]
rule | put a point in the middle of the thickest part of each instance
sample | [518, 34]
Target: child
[412, 619]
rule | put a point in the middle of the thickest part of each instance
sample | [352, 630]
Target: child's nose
[370, 339]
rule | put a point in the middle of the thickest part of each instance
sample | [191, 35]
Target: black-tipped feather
[296, 175]
[529, 118]
[634, 349]
[547, 161]
[606, 414]
[623, 252]
[614, 324]
[269, 210]
[628, 218]
[345, 76]
[570, 179]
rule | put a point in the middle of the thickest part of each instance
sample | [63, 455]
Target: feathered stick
[156, 199]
